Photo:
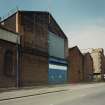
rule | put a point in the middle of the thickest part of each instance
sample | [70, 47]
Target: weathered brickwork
[34, 69]
[88, 67]
[33, 28]
[7, 80]
[75, 72]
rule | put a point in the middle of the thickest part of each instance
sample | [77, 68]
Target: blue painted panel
[57, 76]
[57, 73]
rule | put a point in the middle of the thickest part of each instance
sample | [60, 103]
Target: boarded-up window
[8, 63]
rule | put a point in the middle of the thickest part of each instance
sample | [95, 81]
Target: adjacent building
[88, 67]
[43, 47]
[98, 64]
[75, 71]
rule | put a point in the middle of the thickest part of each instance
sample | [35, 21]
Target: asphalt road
[88, 95]
[92, 98]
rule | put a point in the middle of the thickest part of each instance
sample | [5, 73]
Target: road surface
[93, 94]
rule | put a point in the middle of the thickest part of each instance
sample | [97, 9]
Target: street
[88, 94]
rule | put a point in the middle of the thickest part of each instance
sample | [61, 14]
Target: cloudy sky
[83, 21]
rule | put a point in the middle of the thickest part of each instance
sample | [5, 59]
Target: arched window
[8, 63]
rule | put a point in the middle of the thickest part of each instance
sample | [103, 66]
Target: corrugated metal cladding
[57, 71]
[56, 45]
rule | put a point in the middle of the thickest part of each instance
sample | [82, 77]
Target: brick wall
[7, 81]
[34, 69]
[75, 71]
[88, 67]
[35, 30]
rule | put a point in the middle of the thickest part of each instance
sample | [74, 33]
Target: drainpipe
[17, 62]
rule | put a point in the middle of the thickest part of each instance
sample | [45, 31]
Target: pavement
[27, 91]
[35, 91]
[88, 94]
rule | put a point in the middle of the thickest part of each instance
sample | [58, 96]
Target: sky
[83, 21]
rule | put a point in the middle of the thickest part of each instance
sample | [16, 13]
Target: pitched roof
[61, 33]
[75, 47]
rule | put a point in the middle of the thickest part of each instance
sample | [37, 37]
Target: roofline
[35, 12]
[85, 54]
[58, 26]
[77, 48]
[25, 11]
[8, 17]
[46, 13]
[72, 47]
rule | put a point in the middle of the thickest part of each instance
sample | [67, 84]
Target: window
[8, 63]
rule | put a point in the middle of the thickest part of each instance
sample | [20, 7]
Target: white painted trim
[58, 67]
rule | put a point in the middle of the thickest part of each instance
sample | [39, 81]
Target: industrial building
[98, 63]
[43, 47]
[88, 67]
[75, 71]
